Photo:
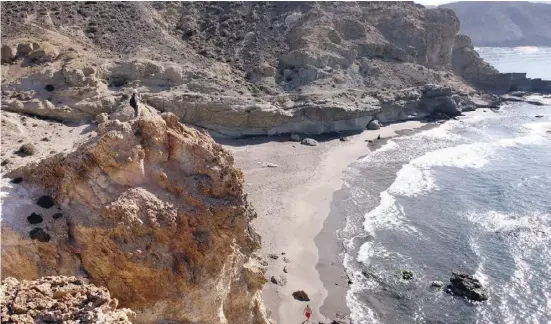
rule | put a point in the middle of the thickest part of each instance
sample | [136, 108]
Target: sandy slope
[48, 137]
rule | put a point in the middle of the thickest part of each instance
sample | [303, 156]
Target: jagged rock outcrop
[234, 68]
[237, 69]
[150, 209]
[467, 63]
[59, 300]
[465, 285]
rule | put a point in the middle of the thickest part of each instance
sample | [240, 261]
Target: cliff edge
[150, 209]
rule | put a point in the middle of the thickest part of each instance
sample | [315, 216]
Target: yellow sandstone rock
[152, 210]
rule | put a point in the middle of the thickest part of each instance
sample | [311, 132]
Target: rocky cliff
[150, 209]
[59, 300]
[504, 23]
[233, 68]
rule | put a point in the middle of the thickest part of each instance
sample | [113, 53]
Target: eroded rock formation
[150, 209]
[59, 300]
[234, 68]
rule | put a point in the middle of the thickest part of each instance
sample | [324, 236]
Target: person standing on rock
[135, 103]
[307, 313]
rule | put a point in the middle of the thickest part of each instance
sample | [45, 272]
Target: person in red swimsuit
[307, 313]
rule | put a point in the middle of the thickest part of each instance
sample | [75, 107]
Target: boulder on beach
[374, 124]
[300, 295]
[309, 142]
[280, 281]
[465, 285]
[24, 49]
[8, 53]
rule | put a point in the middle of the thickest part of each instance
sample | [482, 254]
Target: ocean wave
[387, 215]
[411, 180]
[417, 177]
[446, 131]
[534, 228]
[540, 128]
[390, 145]
[528, 238]
[359, 311]
[527, 49]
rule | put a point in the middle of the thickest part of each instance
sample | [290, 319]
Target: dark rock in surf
[341, 319]
[437, 284]
[407, 274]
[465, 285]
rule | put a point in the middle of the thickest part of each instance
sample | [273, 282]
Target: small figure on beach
[135, 102]
[307, 313]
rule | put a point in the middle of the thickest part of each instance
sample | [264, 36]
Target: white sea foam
[527, 49]
[412, 181]
[388, 215]
[531, 236]
[416, 177]
[540, 128]
[533, 229]
[442, 132]
[359, 312]
[390, 145]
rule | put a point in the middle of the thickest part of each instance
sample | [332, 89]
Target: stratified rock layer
[238, 68]
[59, 300]
[152, 210]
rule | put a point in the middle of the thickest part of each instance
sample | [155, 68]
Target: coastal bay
[293, 200]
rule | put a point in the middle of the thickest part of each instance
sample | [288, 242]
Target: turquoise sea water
[472, 195]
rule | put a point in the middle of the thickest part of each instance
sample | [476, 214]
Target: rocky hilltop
[241, 68]
[504, 23]
[152, 210]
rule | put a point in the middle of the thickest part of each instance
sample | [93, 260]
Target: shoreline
[293, 200]
[330, 264]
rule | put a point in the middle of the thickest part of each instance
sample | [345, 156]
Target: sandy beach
[292, 186]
